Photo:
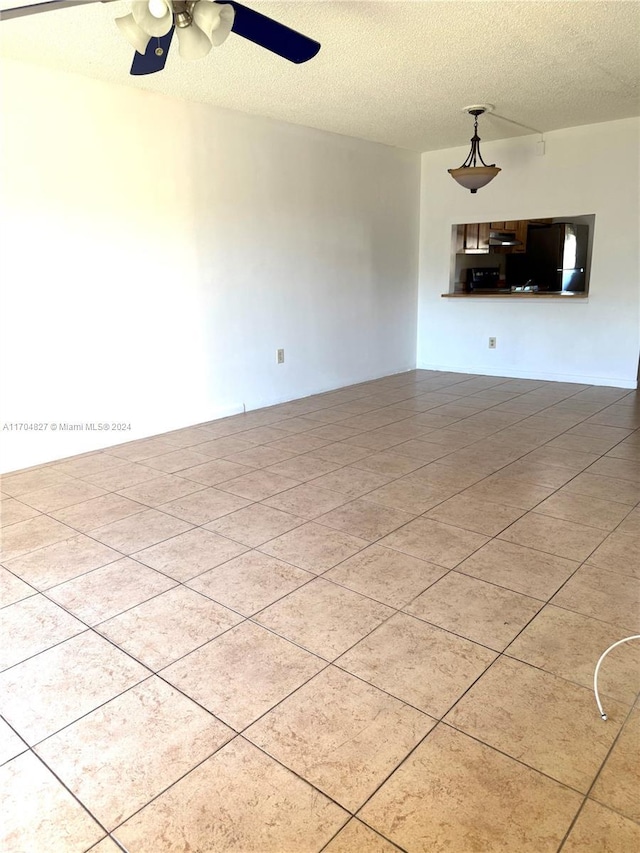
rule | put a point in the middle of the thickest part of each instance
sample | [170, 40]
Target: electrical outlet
[492, 343]
[280, 356]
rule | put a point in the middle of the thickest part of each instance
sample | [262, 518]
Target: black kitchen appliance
[483, 278]
[557, 256]
[517, 270]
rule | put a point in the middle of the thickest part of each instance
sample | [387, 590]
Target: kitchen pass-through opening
[550, 255]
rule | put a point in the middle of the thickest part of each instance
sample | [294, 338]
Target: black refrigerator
[557, 256]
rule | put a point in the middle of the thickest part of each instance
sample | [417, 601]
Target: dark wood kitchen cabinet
[517, 227]
[473, 238]
[521, 235]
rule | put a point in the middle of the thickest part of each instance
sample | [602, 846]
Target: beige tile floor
[359, 622]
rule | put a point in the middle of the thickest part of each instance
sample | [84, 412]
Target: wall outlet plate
[279, 356]
[492, 343]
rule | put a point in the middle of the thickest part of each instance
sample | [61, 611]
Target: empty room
[319, 426]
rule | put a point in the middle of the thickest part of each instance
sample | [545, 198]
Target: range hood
[503, 238]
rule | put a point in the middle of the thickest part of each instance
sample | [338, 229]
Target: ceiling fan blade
[149, 62]
[48, 6]
[272, 35]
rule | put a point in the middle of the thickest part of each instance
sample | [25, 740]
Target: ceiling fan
[200, 25]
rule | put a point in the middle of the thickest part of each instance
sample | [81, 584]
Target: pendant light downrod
[470, 175]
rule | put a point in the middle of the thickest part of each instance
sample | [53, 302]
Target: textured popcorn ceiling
[392, 72]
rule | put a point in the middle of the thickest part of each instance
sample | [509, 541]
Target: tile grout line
[449, 384]
[200, 527]
[595, 779]
[369, 544]
[331, 662]
[375, 453]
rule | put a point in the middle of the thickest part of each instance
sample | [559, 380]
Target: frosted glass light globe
[157, 8]
[155, 17]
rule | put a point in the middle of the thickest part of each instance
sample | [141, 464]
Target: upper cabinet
[515, 228]
[504, 237]
[473, 238]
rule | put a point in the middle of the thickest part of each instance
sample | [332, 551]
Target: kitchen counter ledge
[584, 297]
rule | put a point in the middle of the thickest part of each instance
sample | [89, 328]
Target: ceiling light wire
[517, 123]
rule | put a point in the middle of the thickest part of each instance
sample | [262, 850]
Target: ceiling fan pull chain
[159, 51]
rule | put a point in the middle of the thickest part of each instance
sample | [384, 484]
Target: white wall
[586, 170]
[156, 253]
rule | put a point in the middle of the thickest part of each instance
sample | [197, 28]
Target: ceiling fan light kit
[200, 25]
[470, 175]
[154, 17]
[215, 20]
[192, 42]
[134, 34]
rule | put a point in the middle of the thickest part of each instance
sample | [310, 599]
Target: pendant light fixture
[470, 175]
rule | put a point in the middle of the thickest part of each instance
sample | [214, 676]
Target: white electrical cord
[595, 674]
[540, 146]
[517, 123]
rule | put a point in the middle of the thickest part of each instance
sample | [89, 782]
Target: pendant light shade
[471, 176]
[136, 37]
[155, 17]
[214, 19]
[192, 42]
[474, 177]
